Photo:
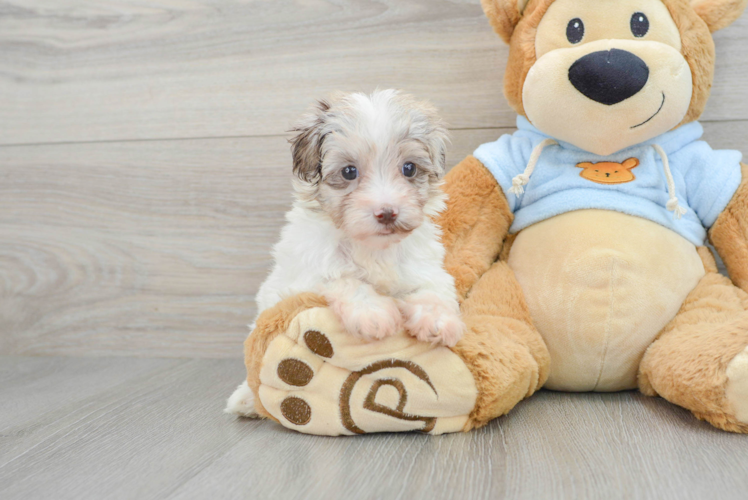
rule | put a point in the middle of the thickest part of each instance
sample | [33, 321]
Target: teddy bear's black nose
[609, 76]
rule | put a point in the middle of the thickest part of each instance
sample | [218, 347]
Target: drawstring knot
[518, 184]
[672, 205]
[523, 179]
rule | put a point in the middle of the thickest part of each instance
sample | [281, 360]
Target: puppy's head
[608, 74]
[372, 163]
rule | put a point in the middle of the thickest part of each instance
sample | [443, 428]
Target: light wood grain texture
[75, 70]
[160, 433]
[151, 248]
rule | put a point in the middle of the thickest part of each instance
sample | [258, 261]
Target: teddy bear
[591, 280]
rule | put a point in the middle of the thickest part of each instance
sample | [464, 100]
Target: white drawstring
[521, 180]
[672, 203]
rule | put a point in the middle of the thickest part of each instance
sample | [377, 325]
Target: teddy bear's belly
[600, 286]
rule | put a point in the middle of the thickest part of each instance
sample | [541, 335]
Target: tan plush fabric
[318, 379]
[593, 280]
[729, 234]
[688, 364]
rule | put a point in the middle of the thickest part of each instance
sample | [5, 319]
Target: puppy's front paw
[374, 319]
[431, 319]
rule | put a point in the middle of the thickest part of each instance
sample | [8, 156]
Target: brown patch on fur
[475, 223]
[687, 364]
[270, 324]
[502, 349]
[698, 47]
[729, 234]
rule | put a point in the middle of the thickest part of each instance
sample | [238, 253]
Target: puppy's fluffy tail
[242, 402]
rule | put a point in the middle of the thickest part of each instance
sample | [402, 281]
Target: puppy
[361, 233]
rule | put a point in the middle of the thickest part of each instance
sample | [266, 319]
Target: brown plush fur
[502, 348]
[698, 47]
[719, 14]
[270, 324]
[476, 207]
[729, 235]
[686, 365]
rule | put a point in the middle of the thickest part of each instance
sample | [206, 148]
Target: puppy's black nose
[609, 76]
[385, 216]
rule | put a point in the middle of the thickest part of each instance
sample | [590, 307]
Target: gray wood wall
[144, 169]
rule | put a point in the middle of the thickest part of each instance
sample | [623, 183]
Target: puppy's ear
[719, 14]
[504, 15]
[438, 149]
[436, 139]
[306, 145]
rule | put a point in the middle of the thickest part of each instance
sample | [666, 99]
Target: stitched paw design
[318, 379]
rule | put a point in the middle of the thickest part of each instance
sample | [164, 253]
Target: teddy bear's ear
[504, 15]
[585, 165]
[719, 14]
[630, 163]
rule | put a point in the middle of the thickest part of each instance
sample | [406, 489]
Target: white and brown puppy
[361, 231]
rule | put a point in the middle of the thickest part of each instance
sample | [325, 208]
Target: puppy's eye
[409, 170]
[575, 31]
[350, 173]
[639, 25]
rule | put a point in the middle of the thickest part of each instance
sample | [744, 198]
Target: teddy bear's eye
[575, 31]
[639, 25]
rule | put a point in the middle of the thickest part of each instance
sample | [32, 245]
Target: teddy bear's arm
[729, 234]
[475, 223]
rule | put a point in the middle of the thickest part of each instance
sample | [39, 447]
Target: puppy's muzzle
[609, 76]
[386, 215]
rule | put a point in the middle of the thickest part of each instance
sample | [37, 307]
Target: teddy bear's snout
[609, 76]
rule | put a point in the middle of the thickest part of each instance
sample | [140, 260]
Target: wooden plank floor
[144, 168]
[128, 428]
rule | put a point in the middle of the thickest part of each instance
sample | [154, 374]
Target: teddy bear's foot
[736, 391]
[318, 379]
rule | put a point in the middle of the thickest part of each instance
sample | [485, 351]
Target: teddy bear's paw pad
[737, 386]
[318, 379]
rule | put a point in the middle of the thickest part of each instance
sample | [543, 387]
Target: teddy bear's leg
[502, 348]
[312, 376]
[700, 360]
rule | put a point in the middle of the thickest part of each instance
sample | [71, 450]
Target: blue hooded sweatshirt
[705, 180]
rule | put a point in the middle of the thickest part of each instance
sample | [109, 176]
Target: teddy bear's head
[604, 75]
